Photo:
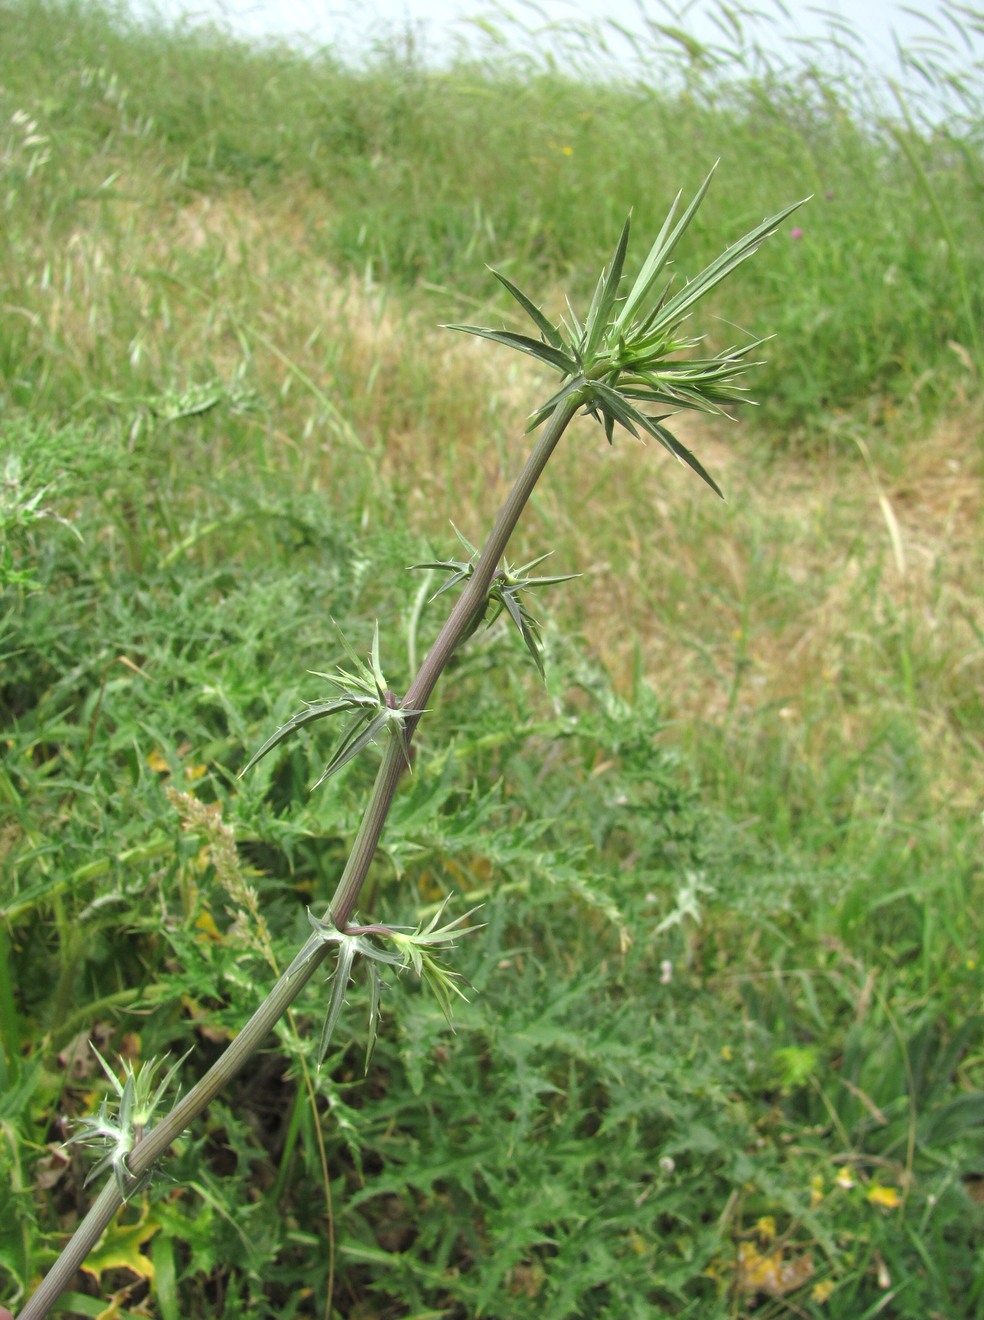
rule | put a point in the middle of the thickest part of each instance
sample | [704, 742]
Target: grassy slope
[206, 226]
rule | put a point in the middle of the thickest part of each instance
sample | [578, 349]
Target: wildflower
[887, 1197]
[797, 233]
[821, 1291]
[773, 1275]
[844, 1180]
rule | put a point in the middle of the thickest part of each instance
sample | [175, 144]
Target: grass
[226, 417]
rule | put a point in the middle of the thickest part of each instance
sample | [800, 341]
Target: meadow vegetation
[723, 1053]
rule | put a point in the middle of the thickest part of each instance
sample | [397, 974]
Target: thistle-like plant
[413, 948]
[505, 592]
[629, 352]
[365, 695]
[116, 1129]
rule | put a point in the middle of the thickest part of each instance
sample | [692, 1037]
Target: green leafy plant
[118, 1130]
[629, 352]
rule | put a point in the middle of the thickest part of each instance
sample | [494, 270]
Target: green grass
[729, 856]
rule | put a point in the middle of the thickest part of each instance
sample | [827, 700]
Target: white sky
[440, 24]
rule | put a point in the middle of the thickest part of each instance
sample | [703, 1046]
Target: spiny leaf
[618, 406]
[682, 453]
[316, 710]
[340, 979]
[553, 357]
[541, 414]
[659, 255]
[375, 988]
[549, 331]
[528, 627]
[442, 983]
[719, 269]
[606, 295]
[377, 672]
[356, 737]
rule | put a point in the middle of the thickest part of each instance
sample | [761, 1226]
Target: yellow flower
[773, 1275]
[821, 1291]
[766, 1228]
[887, 1197]
[816, 1189]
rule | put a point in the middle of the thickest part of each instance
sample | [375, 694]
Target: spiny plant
[630, 352]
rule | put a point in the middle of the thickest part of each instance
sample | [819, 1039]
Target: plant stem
[289, 985]
[469, 603]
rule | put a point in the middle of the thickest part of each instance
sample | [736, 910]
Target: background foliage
[723, 1052]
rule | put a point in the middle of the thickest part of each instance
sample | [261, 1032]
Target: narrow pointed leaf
[684, 454]
[350, 651]
[671, 393]
[377, 672]
[549, 331]
[340, 980]
[398, 730]
[317, 710]
[375, 986]
[651, 426]
[472, 549]
[523, 570]
[513, 609]
[543, 412]
[718, 270]
[359, 735]
[463, 574]
[532, 636]
[459, 571]
[442, 983]
[659, 255]
[553, 357]
[606, 296]
[615, 406]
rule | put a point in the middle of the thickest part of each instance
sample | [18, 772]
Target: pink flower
[797, 233]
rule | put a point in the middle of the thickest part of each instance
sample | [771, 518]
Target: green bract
[413, 950]
[625, 354]
[117, 1134]
[504, 592]
[366, 694]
